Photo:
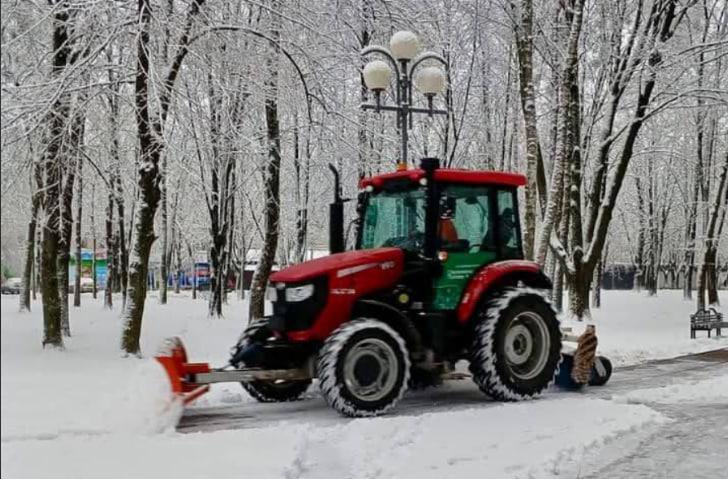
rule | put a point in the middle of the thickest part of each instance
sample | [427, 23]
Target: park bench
[706, 320]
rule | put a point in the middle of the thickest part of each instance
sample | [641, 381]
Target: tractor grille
[299, 315]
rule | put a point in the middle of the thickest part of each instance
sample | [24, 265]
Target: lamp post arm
[366, 51]
[428, 56]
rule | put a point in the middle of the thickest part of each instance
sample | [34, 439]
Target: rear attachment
[189, 381]
[596, 371]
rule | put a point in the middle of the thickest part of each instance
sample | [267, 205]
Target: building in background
[87, 266]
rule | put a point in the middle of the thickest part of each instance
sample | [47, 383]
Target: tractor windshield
[394, 216]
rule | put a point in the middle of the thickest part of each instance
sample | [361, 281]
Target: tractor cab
[474, 222]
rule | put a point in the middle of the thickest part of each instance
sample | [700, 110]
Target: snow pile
[511, 440]
[148, 405]
[254, 454]
[90, 388]
[713, 390]
[527, 439]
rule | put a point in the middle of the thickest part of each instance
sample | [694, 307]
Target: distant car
[12, 286]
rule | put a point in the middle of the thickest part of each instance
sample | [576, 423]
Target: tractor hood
[341, 264]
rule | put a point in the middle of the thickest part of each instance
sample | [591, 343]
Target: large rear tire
[363, 368]
[516, 346]
[269, 391]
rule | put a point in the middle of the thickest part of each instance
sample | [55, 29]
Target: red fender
[486, 278]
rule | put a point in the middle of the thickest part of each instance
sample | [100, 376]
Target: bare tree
[708, 276]
[272, 175]
[149, 129]
[641, 52]
[58, 118]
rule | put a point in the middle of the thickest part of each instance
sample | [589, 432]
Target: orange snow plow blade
[173, 357]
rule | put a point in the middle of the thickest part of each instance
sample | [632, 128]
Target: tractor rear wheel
[363, 368]
[269, 391]
[516, 345]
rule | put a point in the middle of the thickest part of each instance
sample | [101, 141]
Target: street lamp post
[402, 58]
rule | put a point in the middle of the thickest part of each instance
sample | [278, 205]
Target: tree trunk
[71, 158]
[36, 266]
[557, 174]
[367, 19]
[639, 260]
[579, 287]
[29, 256]
[165, 230]
[707, 278]
[110, 256]
[94, 292]
[116, 190]
[301, 170]
[524, 41]
[597, 296]
[94, 287]
[178, 255]
[51, 238]
[29, 281]
[51, 234]
[116, 275]
[272, 181]
[139, 263]
[123, 258]
[79, 216]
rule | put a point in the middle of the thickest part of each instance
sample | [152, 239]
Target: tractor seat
[447, 231]
[448, 236]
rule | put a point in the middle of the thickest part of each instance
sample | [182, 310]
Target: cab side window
[465, 219]
[508, 231]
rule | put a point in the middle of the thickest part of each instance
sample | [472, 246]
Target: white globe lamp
[430, 81]
[404, 45]
[377, 75]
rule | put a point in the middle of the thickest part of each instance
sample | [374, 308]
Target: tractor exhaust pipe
[336, 216]
[429, 166]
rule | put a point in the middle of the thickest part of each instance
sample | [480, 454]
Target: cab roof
[449, 175]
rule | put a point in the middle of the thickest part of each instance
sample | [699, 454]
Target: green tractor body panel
[458, 269]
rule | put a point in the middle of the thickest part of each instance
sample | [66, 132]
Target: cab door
[468, 210]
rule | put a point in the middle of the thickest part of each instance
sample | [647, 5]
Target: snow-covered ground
[89, 413]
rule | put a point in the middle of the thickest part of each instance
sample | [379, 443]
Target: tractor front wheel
[363, 368]
[269, 391]
[516, 345]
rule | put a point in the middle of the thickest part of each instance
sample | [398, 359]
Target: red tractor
[436, 276]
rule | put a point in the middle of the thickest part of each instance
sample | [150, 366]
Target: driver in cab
[446, 231]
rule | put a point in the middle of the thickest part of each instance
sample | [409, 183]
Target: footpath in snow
[90, 413]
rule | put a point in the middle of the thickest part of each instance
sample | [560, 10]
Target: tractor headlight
[299, 293]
